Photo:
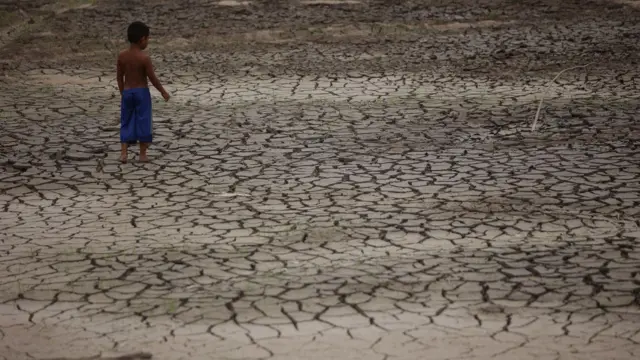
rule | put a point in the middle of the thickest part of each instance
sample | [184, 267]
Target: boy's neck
[135, 47]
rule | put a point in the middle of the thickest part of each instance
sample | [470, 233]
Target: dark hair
[136, 31]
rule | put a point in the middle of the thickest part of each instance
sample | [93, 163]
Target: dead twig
[535, 120]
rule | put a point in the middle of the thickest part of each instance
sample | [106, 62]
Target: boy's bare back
[133, 64]
[134, 68]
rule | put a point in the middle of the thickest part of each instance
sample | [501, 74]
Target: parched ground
[331, 180]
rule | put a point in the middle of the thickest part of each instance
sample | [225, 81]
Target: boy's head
[138, 33]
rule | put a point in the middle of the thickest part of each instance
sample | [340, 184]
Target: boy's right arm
[154, 80]
[120, 76]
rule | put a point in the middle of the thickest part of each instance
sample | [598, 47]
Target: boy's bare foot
[143, 152]
[123, 153]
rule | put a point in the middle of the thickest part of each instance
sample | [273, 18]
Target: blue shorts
[135, 116]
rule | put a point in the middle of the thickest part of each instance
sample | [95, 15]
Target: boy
[134, 67]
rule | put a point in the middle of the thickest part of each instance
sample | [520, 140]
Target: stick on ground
[535, 120]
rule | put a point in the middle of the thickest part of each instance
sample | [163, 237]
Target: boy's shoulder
[130, 55]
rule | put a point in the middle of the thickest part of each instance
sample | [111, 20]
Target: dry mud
[331, 180]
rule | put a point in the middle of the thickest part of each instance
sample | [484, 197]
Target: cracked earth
[331, 180]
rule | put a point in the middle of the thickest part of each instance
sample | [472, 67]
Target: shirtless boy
[134, 68]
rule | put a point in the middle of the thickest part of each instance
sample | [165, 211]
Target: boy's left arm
[120, 76]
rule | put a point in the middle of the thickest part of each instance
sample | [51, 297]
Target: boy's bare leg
[123, 153]
[143, 152]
